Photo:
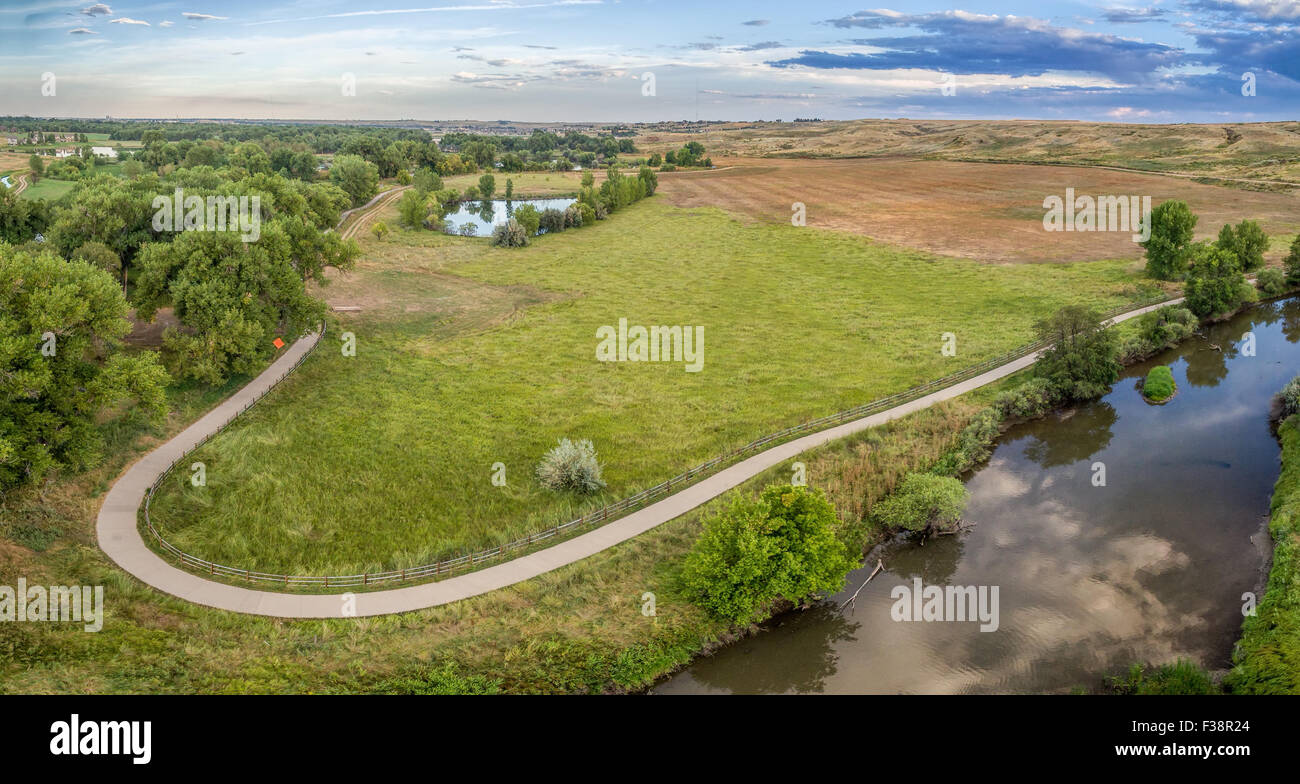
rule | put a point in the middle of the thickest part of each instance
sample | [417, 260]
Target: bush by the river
[1157, 331]
[759, 552]
[923, 503]
[1271, 282]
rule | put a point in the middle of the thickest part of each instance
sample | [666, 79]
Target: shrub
[509, 235]
[529, 218]
[1271, 282]
[552, 221]
[588, 213]
[1247, 241]
[1289, 398]
[468, 229]
[756, 553]
[1158, 330]
[571, 465]
[412, 209]
[1159, 385]
[973, 444]
[573, 216]
[471, 193]
[380, 230]
[923, 503]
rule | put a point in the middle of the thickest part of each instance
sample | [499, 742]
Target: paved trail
[121, 539]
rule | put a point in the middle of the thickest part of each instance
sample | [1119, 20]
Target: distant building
[106, 152]
[65, 152]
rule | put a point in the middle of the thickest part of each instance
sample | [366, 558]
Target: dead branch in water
[880, 564]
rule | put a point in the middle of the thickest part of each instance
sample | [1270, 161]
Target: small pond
[486, 214]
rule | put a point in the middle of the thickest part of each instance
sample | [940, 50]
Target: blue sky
[587, 60]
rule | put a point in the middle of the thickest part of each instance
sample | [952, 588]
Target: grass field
[468, 356]
[48, 189]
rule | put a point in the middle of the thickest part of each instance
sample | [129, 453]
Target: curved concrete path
[121, 539]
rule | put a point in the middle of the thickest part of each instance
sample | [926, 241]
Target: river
[1150, 567]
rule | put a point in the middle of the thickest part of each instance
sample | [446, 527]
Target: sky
[1158, 61]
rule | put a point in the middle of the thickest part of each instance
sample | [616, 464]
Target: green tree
[356, 176]
[61, 326]
[380, 230]
[1172, 226]
[1292, 263]
[412, 210]
[528, 217]
[37, 165]
[1215, 285]
[1080, 364]
[922, 503]
[757, 553]
[99, 255]
[252, 158]
[487, 185]
[1247, 242]
[510, 189]
[233, 297]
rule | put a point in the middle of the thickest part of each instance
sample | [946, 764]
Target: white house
[106, 152]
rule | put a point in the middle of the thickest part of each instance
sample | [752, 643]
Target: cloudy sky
[576, 60]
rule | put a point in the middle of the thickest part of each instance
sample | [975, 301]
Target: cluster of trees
[691, 154]
[270, 134]
[1213, 272]
[70, 272]
[536, 152]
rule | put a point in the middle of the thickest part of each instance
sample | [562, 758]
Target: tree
[487, 184]
[510, 189]
[1292, 263]
[1172, 226]
[1215, 285]
[923, 503]
[61, 325]
[1247, 242]
[529, 218]
[380, 230]
[357, 177]
[412, 209]
[99, 255]
[756, 553]
[252, 158]
[655, 159]
[21, 219]
[1080, 363]
[426, 181]
[37, 165]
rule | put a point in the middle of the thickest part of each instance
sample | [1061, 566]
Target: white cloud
[128, 20]
[202, 17]
[98, 9]
[81, 31]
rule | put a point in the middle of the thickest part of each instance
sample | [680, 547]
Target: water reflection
[1149, 567]
[486, 214]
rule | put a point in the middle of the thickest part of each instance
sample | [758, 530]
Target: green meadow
[468, 356]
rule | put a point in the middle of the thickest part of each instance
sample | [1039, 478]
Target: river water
[1149, 567]
[486, 215]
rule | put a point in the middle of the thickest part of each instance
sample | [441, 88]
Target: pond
[486, 214]
[1149, 567]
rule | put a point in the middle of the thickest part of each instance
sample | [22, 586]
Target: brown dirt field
[991, 212]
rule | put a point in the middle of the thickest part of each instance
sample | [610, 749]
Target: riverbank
[1019, 401]
[1268, 656]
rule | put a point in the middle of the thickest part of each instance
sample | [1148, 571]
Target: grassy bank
[1268, 656]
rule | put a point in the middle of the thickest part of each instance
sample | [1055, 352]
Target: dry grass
[990, 212]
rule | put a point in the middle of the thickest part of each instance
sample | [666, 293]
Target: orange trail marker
[278, 343]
